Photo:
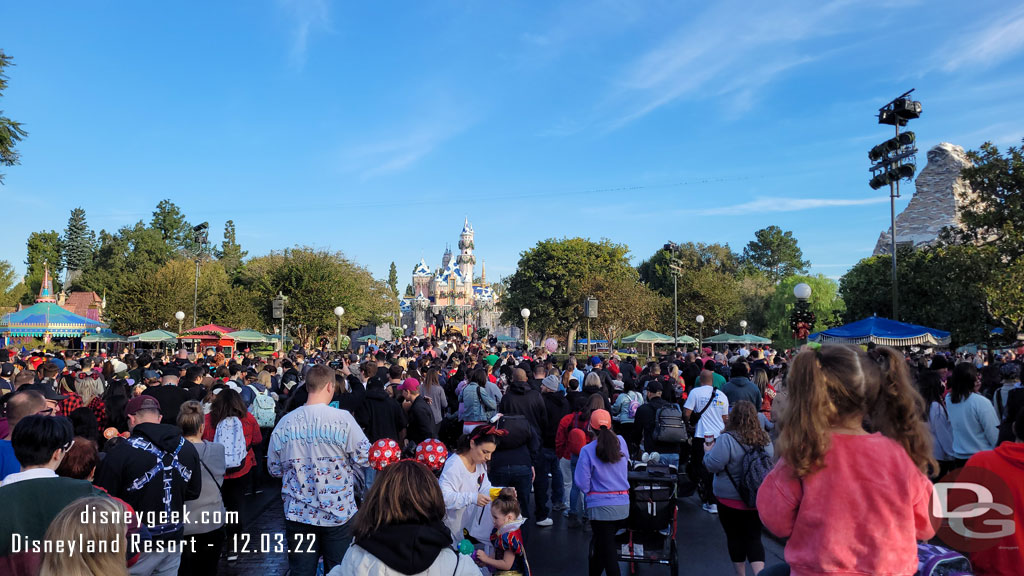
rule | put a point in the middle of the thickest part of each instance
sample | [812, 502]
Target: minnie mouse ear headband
[486, 430]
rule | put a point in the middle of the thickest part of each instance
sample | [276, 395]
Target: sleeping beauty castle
[451, 299]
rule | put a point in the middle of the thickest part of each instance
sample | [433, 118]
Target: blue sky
[374, 128]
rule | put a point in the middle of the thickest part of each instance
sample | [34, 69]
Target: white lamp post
[700, 330]
[339, 312]
[180, 317]
[525, 312]
[802, 291]
[743, 325]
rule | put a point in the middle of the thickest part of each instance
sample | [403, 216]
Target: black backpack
[756, 465]
[669, 426]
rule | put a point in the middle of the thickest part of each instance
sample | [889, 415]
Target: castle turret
[466, 259]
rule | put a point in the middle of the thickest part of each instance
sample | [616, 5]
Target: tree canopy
[551, 277]
[775, 253]
[11, 132]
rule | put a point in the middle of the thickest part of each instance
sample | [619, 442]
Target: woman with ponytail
[601, 474]
[862, 497]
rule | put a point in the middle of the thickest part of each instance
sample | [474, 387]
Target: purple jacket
[603, 484]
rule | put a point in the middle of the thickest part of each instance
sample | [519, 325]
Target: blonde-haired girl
[850, 501]
[107, 539]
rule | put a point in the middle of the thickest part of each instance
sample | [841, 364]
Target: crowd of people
[430, 456]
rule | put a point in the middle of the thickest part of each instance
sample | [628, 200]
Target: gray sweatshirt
[728, 454]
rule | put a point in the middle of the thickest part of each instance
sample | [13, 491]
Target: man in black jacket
[646, 419]
[523, 400]
[155, 471]
[557, 407]
[421, 417]
[380, 416]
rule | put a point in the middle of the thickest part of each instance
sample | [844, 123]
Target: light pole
[672, 247]
[895, 160]
[525, 312]
[200, 236]
[700, 330]
[405, 328]
[180, 317]
[97, 340]
[743, 325]
[339, 312]
[802, 319]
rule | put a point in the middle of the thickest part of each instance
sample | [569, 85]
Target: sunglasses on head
[67, 447]
[45, 412]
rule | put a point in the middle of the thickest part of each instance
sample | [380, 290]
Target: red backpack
[578, 436]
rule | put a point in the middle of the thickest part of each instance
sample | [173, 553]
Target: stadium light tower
[892, 161]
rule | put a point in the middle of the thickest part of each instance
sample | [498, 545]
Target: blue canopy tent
[883, 332]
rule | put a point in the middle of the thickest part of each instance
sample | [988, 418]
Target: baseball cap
[58, 363]
[491, 359]
[600, 419]
[595, 360]
[410, 384]
[6, 369]
[143, 402]
[1010, 371]
[171, 370]
[44, 389]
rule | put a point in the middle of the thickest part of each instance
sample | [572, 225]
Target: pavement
[553, 550]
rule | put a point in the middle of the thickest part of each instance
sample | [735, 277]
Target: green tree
[43, 248]
[393, 278]
[316, 281]
[992, 210]
[134, 251]
[9, 285]
[625, 305]
[230, 253]
[756, 291]
[775, 252]
[941, 287]
[11, 132]
[78, 244]
[707, 285]
[825, 302]
[550, 279]
[174, 229]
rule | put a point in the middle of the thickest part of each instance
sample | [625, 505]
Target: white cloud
[762, 205]
[309, 16]
[989, 44]
[397, 153]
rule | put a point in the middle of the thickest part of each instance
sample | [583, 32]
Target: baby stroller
[650, 536]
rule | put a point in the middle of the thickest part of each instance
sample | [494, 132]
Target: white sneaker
[711, 508]
[545, 522]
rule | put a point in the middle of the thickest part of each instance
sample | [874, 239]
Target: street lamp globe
[743, 323]
[802, 291]
[339, 311]
[525, 312]
[700, 318]
[179, 315]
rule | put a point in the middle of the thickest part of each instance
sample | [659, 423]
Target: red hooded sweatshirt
[1006, 555]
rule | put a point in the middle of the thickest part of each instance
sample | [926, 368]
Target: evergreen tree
[775, 253]
[230, 253]
[393, 278]
[11, 132]
[169, 220]
[77, 245]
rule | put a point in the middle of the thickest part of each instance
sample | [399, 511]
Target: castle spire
[483, 273]
[46, 288]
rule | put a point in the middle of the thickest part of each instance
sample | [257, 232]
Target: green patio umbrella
[247, 336]
[103, 337]
[368, 338]
[154, 336]
[651, 337]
